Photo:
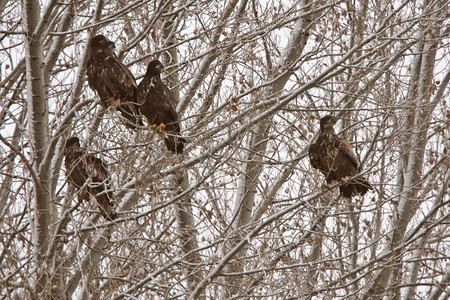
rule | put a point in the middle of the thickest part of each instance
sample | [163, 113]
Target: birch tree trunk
[412, 149]
[249, 180]
[38, 126]
[184, 211]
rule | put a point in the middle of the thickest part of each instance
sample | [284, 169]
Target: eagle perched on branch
[335, 158]
[88, 173]
[158, 106]
[113, 81]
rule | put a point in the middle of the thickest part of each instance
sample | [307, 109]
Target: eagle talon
[326, 186]
[116, 102]
[161, 127]
[113, 101]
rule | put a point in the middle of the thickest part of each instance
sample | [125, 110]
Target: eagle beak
[111, 45]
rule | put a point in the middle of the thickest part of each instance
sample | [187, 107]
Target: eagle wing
[110, 78]
[357, 185]
[118, 79]
[156, 103]
[75, 169]
[346, 150]
[94, 71]
[166, 104]
[313, 153]
[113, 81]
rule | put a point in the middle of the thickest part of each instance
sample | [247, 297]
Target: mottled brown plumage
[88, 173]
[158, 105]
[335, 158]
[113, 81]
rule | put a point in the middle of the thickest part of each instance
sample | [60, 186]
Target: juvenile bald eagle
[335, 158]
[158, 106]
[112, 80]
[82, 167]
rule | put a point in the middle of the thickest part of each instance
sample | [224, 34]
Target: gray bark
[38, 122]
[413, 151]
[249, 180]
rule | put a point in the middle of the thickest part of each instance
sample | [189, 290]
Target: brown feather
[112, 80]
[158, 106]
[82, 167]
[335, 158]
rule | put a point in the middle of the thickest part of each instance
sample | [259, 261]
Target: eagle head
[155, 67]
[327, 122]
[73, 141]
[100, 43]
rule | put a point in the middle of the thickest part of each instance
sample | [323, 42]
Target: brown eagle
[335, 158]
[112, 80]
[88, 173]
[158, 106]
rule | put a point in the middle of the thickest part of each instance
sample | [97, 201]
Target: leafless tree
[241, 213]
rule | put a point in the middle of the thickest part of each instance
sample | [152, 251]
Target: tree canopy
[241, 214]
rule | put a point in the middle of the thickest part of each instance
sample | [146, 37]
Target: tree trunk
[249, 180]
[38, 122]
[412, 153]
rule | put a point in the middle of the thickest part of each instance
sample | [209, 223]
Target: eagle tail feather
[175, 144]
[356, 186]
[106, 206]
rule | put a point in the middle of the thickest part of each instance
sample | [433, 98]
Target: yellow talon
[116, 102]
[113, 101]
[161, 127]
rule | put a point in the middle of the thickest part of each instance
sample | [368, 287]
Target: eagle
[335, 158]
[88, 173]
[113, 81]
[158, 105]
